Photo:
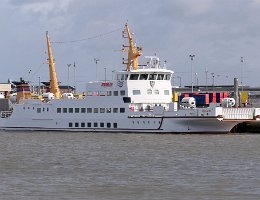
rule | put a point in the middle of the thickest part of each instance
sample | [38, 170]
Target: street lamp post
[192, 58]
[206, 71]
[29, 76]
[68, 77]
[105, 74]
[213, 80]
[242, 61]
[39, 90]
[96, 60]
[196, 79]
[74, 67]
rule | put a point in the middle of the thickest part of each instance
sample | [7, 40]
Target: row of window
[90, 110]
[122, 92]
[101, 124]
[145, 122]
[149, 91]
[92, 125]
[144, 76]
[39, 110]
[81, 110]
[106, 93]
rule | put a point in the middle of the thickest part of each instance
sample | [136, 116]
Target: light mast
[54, 87]
[133, 51]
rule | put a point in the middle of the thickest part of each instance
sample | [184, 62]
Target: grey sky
[218, 32]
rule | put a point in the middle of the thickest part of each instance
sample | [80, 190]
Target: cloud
[219, 32]
[195, 7]
[256, 2]
[41, 7]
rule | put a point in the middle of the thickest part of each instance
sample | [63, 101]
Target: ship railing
[5, 114]
[238, 113]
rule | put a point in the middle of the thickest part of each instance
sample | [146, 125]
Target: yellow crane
[54, 87]
[133, 51]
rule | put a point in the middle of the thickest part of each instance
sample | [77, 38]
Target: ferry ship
[137, 100]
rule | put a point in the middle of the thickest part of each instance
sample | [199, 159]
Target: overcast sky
[217, 32]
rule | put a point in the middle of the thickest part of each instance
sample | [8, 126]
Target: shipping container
[212, 97]
[175, 97]
[219, 96]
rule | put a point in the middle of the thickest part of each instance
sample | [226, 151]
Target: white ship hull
[35, 115]
[169, 125]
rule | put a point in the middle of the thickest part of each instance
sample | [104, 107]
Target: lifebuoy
[132, 107]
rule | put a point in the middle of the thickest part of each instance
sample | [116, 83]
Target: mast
[133, 51]
[54, 87]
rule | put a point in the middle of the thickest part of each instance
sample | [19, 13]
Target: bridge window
[152, 76]
[83, 110]
[108, 110]
[89, 110]
[82, 124]
[65, 110]
[70, 124]
[95, 110]
[58, 110]
[109, 93]
[134, 76]
[167, 77]
[70, 110]
[102, 110]
[122, 110]
[156, 92]
[143, 77]
[115, 110]
[160, 76]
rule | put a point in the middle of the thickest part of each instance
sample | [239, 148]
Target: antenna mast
[54, 87]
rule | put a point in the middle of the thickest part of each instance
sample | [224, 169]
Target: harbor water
[63, 165]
